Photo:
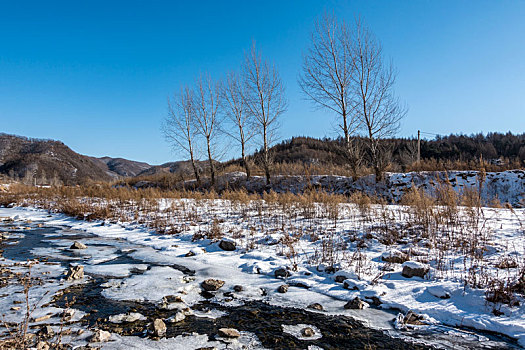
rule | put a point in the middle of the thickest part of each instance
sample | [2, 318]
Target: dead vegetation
[438, 228]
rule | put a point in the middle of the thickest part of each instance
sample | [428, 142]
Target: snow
[311, 282]
[167, 281]
[114, 270]
[506, 186]
[414, 265]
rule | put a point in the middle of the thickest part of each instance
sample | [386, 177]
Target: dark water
[265, 321]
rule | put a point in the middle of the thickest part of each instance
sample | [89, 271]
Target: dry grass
[448, 224]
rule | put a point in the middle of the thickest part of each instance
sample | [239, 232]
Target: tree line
[343, 72]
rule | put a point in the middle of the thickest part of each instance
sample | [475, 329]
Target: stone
[171, 302]
[46, 332]
[351, 285]
[414, 269]
[238, 288]
[178, 317]
[340, 278]
[100, 336]
[126, 318]
[299, 284]
[159, 328]
[229, 333]
[374, 300]
[228, 245]
[439, 292]
[78, 245]
[283, 288]
[394, 256]
[307, 332]
[212, 285]
[75, 273]
[413, 318]
[281, 273]
[315, 306]
[356, 304]
[190, 254]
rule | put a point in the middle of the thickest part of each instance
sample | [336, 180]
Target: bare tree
[207, 101]
[327, 77]
[265, 100]
[179, 125]
[376, 105]
[236, 111]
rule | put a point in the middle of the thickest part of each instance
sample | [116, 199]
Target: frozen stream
[123, 277]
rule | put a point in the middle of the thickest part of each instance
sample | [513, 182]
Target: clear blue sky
[96, 74]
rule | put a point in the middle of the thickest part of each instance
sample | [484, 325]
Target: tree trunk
[212, 167]
[245, 162]
[266, 161]
[195, 171]
[374, 148]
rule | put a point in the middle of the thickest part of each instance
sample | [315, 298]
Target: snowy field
[328, 254]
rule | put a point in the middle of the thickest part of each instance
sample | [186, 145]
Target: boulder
[172, 302]
[229, 333]
[413, 318]
[356, 304]
[100, 336]
[394, 256]
[178, 317]
[342, 275]
[238, 288]
[315, 306]
[228, 245]
[283, 288]
[414, 269]
[126, 318]
[78, 245]
[439, 292]
[351, 285]
[75, 273]
[212, 285]
[307, 332]
[159, 328]
[281, 273]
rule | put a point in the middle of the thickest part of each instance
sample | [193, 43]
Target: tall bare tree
[179, 125]
[234, 108]
[207, 118]
[265, 100]
[376, 105]
[327, 77]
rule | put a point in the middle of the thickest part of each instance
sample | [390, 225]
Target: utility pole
[418, 146]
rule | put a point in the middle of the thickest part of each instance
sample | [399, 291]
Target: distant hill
[48, 161]
[494, 147]
[182, 167]
[120, 166]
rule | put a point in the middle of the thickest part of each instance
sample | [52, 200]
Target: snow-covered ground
[330, 258]
[505, 186]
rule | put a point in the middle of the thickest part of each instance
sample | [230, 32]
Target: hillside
[120, 167]
[444, 152]
[46, 161]
[52, 162]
